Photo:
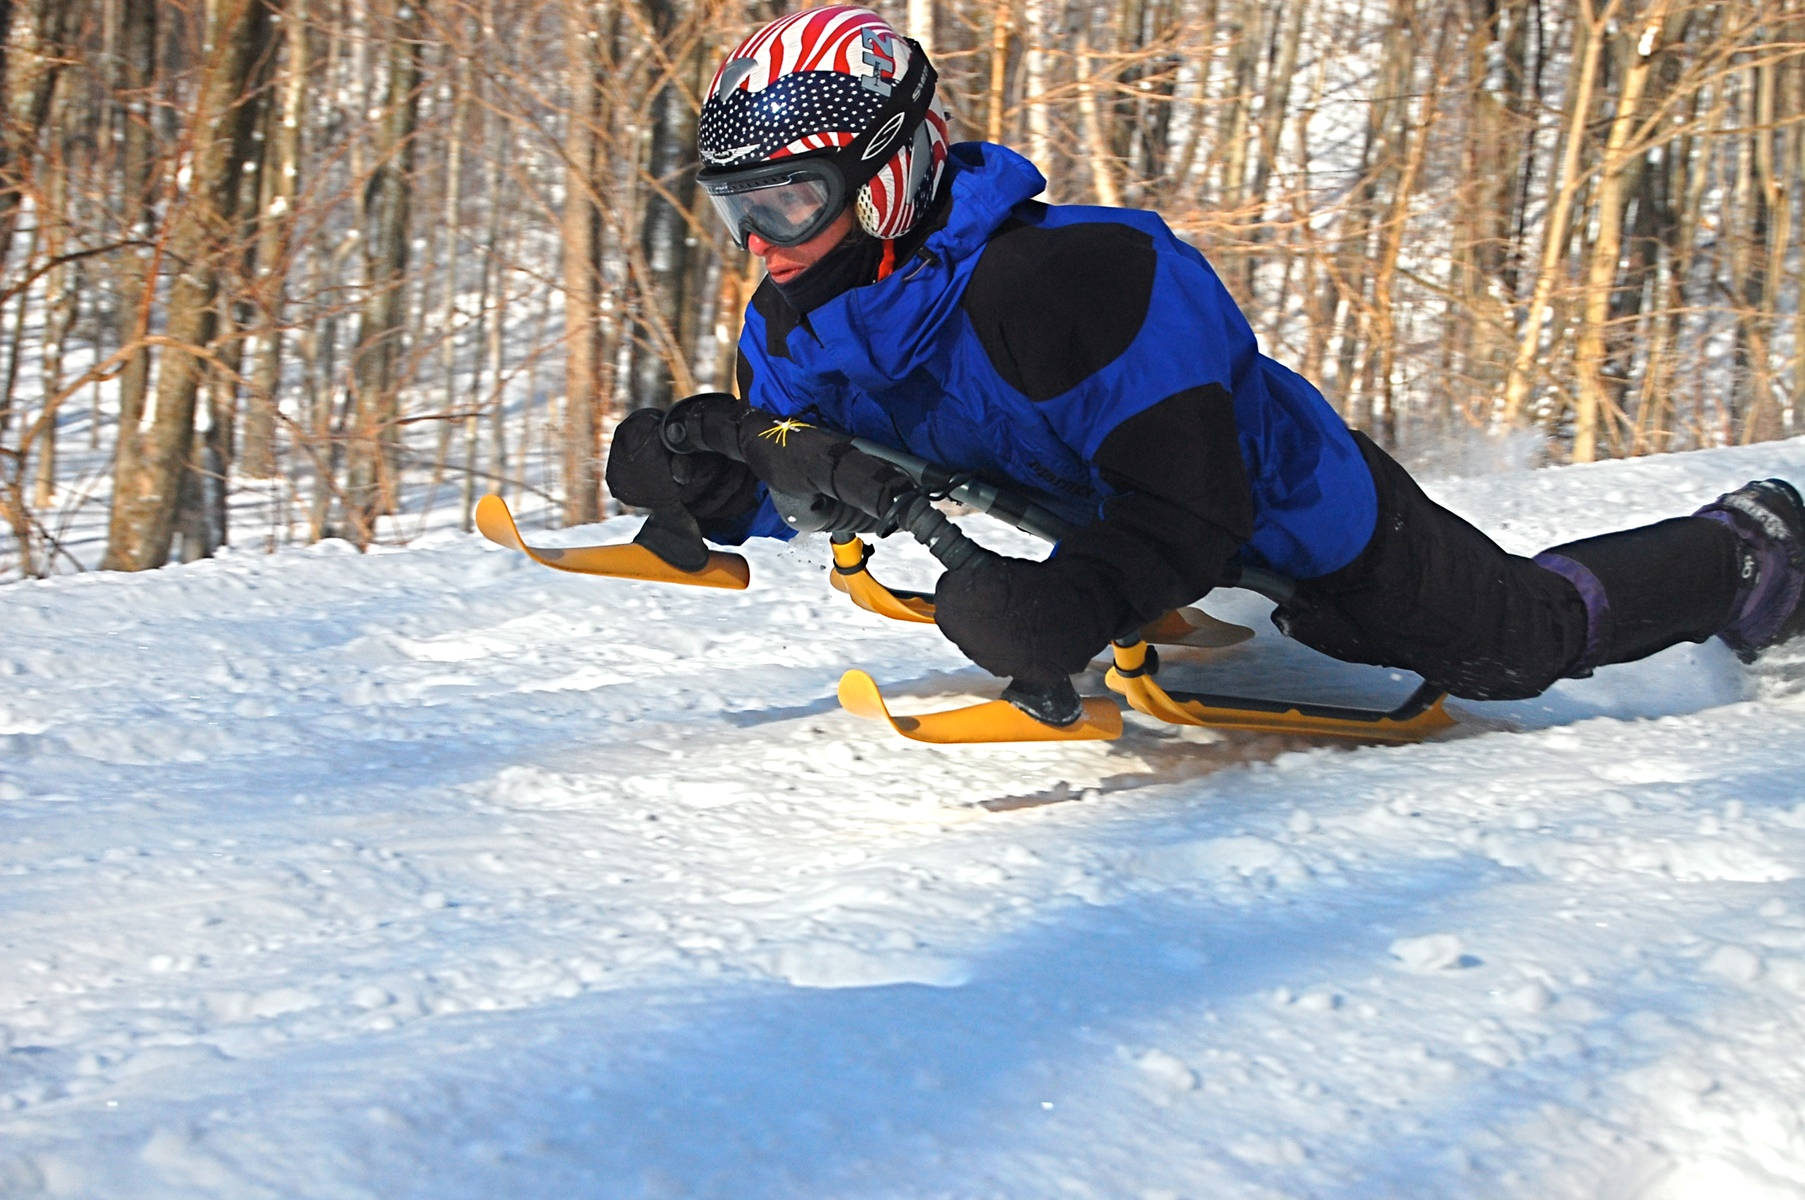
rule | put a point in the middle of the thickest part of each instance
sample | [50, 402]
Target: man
[918, 296]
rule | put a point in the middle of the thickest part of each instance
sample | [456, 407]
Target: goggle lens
[784, 211]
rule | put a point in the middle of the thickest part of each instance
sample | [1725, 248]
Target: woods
[280, 270]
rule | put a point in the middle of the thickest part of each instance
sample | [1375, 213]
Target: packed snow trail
[433, 873]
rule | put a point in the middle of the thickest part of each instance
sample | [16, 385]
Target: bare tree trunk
[1658, 349]
[202, 520]
[494, 317]
[533, 412]
[1097, 146]
[1034, 84]
[921, 23]
[1766, 237]
[1380, 166]
[452, 228]
[34, 128]
[15, 346]
[1565, 189]
[319, 350]
[59, 295]
[33, 55]
[1232, 120]
[281, 175]
[1413, 145]
[1689, 176]
[131, 72]
[374, 453]
[658, 355]
[152, 461]
[581, 244]
[1524, 42]
[1155, 85]
[695, 299]
[1797, 158]
[1002, 13]
[1590, 352]
[1287, 34]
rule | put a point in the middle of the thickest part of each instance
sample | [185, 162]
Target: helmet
[817, 110]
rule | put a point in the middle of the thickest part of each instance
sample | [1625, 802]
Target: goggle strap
[911, 96]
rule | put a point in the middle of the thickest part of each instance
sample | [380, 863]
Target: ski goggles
[785, 202]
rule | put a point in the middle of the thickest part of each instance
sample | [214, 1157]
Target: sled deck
[1132, 676]
[1420, 715]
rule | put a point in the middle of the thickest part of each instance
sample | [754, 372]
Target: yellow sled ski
[991, 721]
[628, 561]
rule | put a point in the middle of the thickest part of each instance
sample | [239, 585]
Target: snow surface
[434, 873]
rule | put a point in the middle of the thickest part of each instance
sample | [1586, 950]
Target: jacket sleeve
[1128, 352]
[1178, 507]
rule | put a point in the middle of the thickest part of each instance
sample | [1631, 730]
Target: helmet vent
[733, 73]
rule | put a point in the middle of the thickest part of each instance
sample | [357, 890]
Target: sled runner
[670, 549]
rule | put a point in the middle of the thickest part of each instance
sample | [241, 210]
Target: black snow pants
[1433, 595]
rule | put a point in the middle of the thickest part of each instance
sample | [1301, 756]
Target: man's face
[784, 263]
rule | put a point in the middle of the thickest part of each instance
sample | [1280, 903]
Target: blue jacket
[1027, 398]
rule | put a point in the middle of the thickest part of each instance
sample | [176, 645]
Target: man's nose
[757, 245]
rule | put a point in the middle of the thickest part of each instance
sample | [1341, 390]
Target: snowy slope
[436, 874]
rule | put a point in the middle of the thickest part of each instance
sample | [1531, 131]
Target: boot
[1769, 518]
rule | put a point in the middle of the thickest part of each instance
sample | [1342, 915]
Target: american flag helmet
[821, 109]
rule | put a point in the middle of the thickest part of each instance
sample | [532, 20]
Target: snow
[433, 873]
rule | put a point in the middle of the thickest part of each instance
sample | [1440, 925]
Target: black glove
[1038, 622]
[643, 473]
[820, 468]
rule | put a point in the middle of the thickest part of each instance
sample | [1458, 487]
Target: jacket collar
[878, 333]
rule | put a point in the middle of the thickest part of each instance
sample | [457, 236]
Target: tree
[582, 263]
[376, 359]
[198, 235]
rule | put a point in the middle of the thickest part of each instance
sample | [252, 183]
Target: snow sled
[669, 549]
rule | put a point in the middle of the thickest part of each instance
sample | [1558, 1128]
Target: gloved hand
[643, 473]
[1038, 622]
[827, 481]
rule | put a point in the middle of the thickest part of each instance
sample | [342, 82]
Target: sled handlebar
[1014, 509]
[898, 498]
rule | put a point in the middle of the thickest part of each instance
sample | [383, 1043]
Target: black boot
[1769, 517]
